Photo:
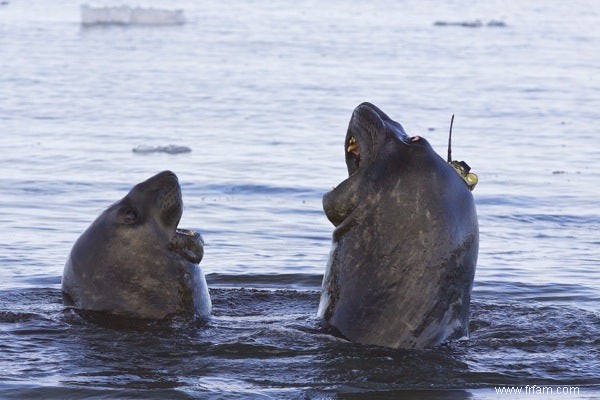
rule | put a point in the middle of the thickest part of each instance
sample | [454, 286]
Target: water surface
[262, 94]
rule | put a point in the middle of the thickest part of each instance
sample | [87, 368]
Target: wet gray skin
[133, 261]
[405, 243]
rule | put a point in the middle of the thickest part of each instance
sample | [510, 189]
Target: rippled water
[262, 93]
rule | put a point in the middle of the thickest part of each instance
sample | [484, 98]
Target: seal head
[133, 261]
[405, 242]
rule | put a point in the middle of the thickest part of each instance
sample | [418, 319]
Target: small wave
[264, 189]
[271, 281]
[125, 15]
[556, 219]
[548, 293]
[557, 339]
[521, 201]
[15, 317]
[169, 149]
[235, 188]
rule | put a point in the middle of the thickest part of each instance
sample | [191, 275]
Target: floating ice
[468, 24]
[497, 24]
[472, 24]
[170, 149]
[125, 15]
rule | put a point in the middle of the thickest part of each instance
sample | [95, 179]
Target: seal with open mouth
[133, 261]
[406, 240]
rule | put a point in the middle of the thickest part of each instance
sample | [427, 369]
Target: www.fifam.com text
[535, 389]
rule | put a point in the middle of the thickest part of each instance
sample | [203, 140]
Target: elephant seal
[406, 240]
[133, 261]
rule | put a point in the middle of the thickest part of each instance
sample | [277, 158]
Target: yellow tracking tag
[463, 170]
[461, 167]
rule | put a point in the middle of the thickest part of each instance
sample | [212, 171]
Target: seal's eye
[130, 216]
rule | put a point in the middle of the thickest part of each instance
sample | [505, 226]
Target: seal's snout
[185, 242]
[163, 191]
[367, 108]
[167, 175]
[366, 126]
[171, 205]
[366, 116]
[369, 114]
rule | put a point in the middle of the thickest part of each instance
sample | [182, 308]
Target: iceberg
[125, 15]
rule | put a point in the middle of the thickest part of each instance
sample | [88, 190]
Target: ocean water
[262, 92]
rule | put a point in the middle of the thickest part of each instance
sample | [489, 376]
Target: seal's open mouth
[369, 129]
[188, 244]
[353, 147]
[366, 132]
[353, 154]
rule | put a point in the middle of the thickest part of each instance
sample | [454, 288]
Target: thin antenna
[450, 140]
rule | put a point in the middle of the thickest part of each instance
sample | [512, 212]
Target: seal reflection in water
[405, 245]
[134, 262]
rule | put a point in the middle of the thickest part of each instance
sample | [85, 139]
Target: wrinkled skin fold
[133, 261]
[405, 242]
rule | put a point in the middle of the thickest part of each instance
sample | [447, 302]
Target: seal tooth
[352, 145]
